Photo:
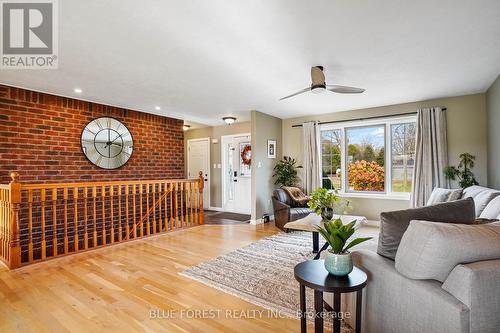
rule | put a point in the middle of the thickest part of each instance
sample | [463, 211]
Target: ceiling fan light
[229, 120]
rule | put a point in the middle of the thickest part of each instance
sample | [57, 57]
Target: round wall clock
[107, 143]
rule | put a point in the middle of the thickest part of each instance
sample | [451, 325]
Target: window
[369, 157]
[331, 159]
[366, 158]
[403, 156]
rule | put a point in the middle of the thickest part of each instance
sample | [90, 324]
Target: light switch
[259, 165]
[219, 166]
[214, 141]
[215, 166]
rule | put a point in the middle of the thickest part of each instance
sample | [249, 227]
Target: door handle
[235, 180]
[206, 180]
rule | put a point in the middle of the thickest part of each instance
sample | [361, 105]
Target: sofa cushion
[481, 195]
[394, 224]
[430, 250]
[492, 210]
[440, 195]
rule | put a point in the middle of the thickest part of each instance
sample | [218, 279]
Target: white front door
[236, 173]
[199, 160]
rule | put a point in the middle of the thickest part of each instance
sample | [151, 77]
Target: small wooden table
[313, 221]
[312, 273]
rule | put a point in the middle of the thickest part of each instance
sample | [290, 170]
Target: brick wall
[40, 139]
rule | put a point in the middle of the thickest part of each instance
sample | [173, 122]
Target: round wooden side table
[312, 274]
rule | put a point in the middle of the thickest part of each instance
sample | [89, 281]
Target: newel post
[15, 204]
[201, 181]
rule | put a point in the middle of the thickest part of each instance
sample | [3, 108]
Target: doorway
[236, 155]
[199, 160]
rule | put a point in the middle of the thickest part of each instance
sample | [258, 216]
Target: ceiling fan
[318, 85]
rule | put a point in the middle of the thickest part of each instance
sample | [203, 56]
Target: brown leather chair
[285, 210]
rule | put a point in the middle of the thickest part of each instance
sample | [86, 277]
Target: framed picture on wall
[271, 148]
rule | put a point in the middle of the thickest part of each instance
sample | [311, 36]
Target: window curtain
[431, 154]
[312, 154]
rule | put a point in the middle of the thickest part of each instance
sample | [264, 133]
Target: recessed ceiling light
[77, 90]
[157, 108]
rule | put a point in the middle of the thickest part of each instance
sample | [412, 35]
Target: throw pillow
[492, 210]
[440, 195]
[431, 250]
[394, 224]
[482, 197]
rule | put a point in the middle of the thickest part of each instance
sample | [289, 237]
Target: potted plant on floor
[338, 260]
[286, 172]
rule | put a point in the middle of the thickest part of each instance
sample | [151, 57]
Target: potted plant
[338, 260]
[463, 172]
[285, 172]
[323, 202]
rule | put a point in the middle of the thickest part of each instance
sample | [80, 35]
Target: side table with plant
[338, 260]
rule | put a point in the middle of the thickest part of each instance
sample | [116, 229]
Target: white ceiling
[202, 60]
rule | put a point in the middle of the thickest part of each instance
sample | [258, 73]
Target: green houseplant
[338, 260]
[285, 172]
[463, 172]
[324, 202]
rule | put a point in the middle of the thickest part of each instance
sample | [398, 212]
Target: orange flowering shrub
[366, 176]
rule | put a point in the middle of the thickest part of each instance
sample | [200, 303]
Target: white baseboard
[258, 221]
[217, 209]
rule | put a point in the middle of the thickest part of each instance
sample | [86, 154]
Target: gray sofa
[468, 301]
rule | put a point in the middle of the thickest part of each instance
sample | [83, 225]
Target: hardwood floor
[114, 289]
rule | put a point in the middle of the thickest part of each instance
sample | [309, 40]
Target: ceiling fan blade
[297, 93]
[344, 89]
[317, 76]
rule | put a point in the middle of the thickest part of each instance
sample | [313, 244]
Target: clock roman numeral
[98, 123]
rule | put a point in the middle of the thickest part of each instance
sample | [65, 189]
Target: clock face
[107, 143]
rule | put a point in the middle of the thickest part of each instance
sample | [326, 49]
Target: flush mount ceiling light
[186, 127]
[229, 120]
[77, 90]
[157, 108]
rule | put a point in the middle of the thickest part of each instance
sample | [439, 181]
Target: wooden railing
[42, 221]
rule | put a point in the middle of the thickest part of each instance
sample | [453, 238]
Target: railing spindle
[134, 211]
[119, 213]
[65, 225]
[85, 219]
[30, 225]
[43, 246]
[127, 226]
[76, 240]
[111, 215]
[148, 225]
[153, 193]
[103, 214]
[54, 222]
[94, 215]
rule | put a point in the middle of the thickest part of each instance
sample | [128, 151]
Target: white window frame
[386, 122]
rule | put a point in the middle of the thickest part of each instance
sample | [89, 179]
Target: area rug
[262, 273]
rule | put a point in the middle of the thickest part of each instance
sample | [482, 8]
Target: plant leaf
[356, 242]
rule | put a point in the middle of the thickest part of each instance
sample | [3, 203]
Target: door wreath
[246, 155]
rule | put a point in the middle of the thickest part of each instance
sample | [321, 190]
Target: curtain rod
[366, 118]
